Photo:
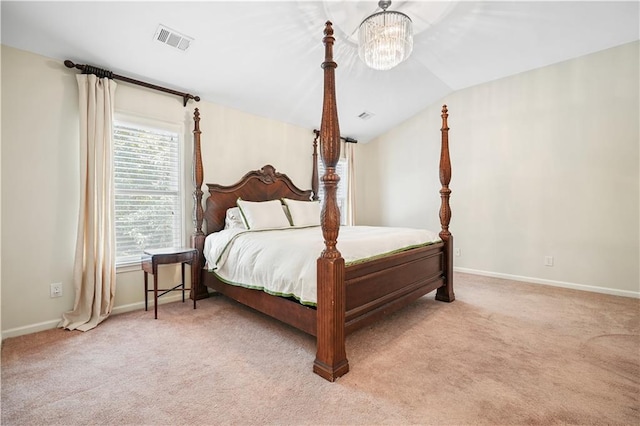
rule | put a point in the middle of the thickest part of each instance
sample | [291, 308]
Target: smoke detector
[166, 35]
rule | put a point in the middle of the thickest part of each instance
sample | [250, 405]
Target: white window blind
[147, 190]
[341, 193]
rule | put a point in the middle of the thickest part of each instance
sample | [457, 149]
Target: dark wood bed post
[197, 239]
[314, 173]
[445, 293]
[331, 359]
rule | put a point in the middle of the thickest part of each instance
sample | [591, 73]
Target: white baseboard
[51, 324]
[31, 328]
[553, 283]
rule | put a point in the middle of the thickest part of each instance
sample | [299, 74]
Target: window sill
[129, 267]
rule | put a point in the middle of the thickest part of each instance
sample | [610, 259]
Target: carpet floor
[504, 353]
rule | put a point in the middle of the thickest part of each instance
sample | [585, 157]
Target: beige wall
[545, 163]
[40, 177]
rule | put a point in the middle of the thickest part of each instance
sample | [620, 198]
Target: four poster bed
[348, 296]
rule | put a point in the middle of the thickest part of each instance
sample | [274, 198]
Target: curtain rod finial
[69, 64]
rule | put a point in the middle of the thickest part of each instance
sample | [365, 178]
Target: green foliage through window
[147, 190]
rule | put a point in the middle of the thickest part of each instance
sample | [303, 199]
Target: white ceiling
[264, 57]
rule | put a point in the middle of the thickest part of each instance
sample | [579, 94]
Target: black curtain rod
[100, 72]
[346, 139]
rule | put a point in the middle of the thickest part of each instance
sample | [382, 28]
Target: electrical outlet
[548, 261]
[457, 252]
[55, 290]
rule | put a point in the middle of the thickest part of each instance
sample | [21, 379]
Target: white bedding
[283, 261]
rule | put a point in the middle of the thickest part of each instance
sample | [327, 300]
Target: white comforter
[283, 261]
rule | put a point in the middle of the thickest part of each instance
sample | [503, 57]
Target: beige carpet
[502, 353]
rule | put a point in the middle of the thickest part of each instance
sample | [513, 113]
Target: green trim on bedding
[400, 250]
[226, 246]
[244, 218]
[253, 287]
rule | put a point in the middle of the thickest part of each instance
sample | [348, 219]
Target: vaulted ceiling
[264, 57]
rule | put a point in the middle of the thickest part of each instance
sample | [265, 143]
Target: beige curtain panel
[350, 149]
[94, 272]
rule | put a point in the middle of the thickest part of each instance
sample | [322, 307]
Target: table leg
[193, 267]
[182, 267]
[198, 289]
[146, 290]
[155, 294]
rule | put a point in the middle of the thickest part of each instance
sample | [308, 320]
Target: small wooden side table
[150, 261]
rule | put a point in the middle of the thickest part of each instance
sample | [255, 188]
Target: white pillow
[233, 219]
[303, 213]
[263, 214]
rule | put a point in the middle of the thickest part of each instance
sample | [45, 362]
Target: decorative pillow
[263, 214]
[233, 219]
[303, 213]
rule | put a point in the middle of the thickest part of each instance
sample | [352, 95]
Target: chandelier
[385, 38]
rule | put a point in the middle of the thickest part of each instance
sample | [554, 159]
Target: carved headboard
[257, 185]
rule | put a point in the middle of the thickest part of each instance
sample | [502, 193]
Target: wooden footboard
[377, 288]
[374, 289]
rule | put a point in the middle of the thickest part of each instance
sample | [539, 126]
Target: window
[342, 169]
[148, 199]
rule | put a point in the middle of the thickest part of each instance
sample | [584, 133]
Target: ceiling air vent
[172, 38]
[365, 115]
